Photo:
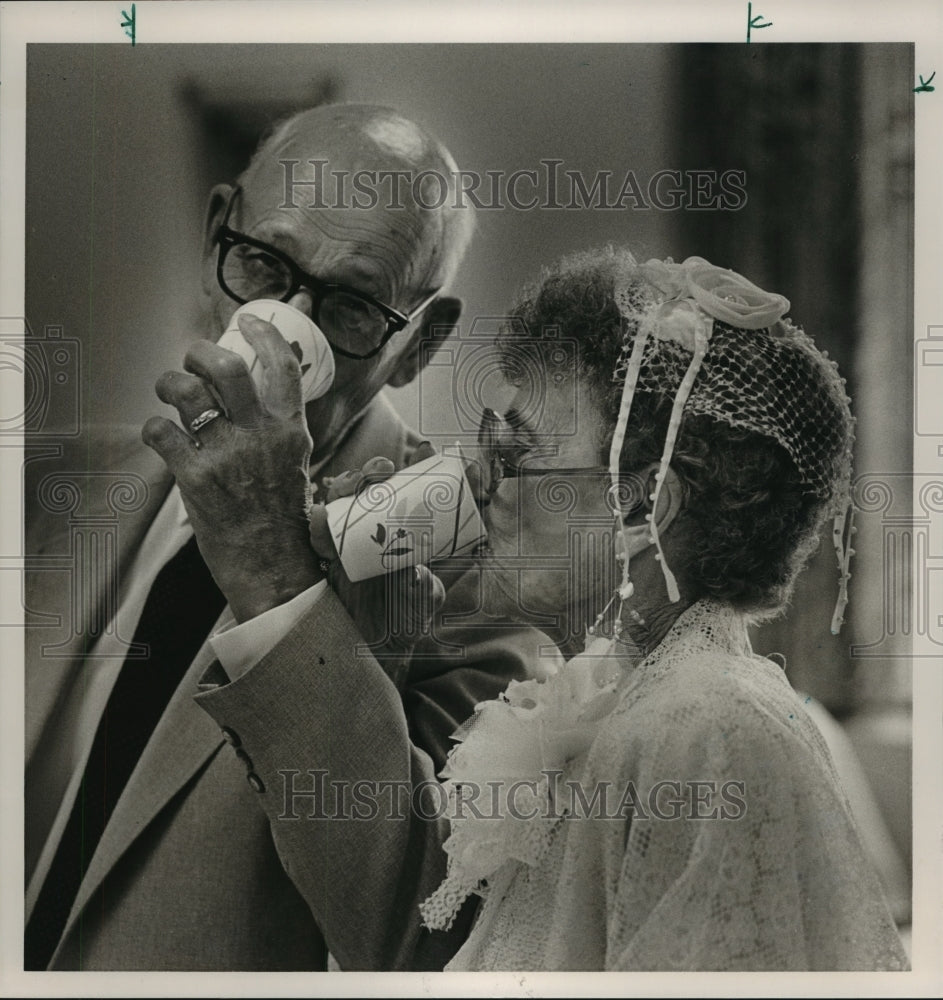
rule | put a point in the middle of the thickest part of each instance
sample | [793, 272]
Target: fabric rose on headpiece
[720, 293]
[732, 299]
[680, 320]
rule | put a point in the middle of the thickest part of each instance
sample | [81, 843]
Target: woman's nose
[478, 481]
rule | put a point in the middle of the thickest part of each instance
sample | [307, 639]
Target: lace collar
[500, 776]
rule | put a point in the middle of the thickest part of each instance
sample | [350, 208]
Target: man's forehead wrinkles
[365, 251]
[382, 252]
[278, 235]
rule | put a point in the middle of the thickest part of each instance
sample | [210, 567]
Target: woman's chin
[506, 591]
[499, 587]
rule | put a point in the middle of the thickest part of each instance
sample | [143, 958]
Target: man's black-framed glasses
[355, 324]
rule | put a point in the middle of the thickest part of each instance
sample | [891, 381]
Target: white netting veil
[773, 381]
[719, 346]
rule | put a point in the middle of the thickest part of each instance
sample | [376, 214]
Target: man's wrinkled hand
[243, 475]
[392, 611]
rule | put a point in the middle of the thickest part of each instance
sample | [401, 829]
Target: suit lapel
[63, 598]
[184, 740]
[185, 737]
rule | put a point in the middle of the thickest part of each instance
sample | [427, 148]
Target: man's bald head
[401, 167]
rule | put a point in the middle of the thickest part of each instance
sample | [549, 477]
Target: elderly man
[156, 837]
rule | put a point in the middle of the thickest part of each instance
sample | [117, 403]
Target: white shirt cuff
[239, 647]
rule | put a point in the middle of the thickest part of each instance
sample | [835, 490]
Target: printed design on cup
[423, 514]
[299, 354]
[395, 547]
[307, 343]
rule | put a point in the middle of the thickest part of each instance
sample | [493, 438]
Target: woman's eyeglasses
[503, 452]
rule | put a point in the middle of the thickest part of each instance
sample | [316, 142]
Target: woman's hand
[392, 611]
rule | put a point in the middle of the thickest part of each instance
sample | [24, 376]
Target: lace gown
[758, 867]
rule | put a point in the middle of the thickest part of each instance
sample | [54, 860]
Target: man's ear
[638, 522]
[213, 217]
[438, 323]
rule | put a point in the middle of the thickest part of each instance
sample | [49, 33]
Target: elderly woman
[659, 800]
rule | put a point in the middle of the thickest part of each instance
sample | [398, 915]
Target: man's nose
[303, 301]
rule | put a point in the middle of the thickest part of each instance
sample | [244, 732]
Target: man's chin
[328, 422]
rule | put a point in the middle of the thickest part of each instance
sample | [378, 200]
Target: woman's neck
[639, 637]
[653, 624]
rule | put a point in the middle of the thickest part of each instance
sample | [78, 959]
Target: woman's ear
[670, 499]
[637, 522]
[213, 218]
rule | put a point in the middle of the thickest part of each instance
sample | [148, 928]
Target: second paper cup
[420, 515]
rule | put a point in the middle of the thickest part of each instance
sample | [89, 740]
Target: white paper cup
[306, 340]
[420, 515]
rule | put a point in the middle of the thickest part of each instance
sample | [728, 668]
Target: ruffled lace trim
[500, 777]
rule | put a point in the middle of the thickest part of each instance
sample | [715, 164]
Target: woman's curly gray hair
[749, 519]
